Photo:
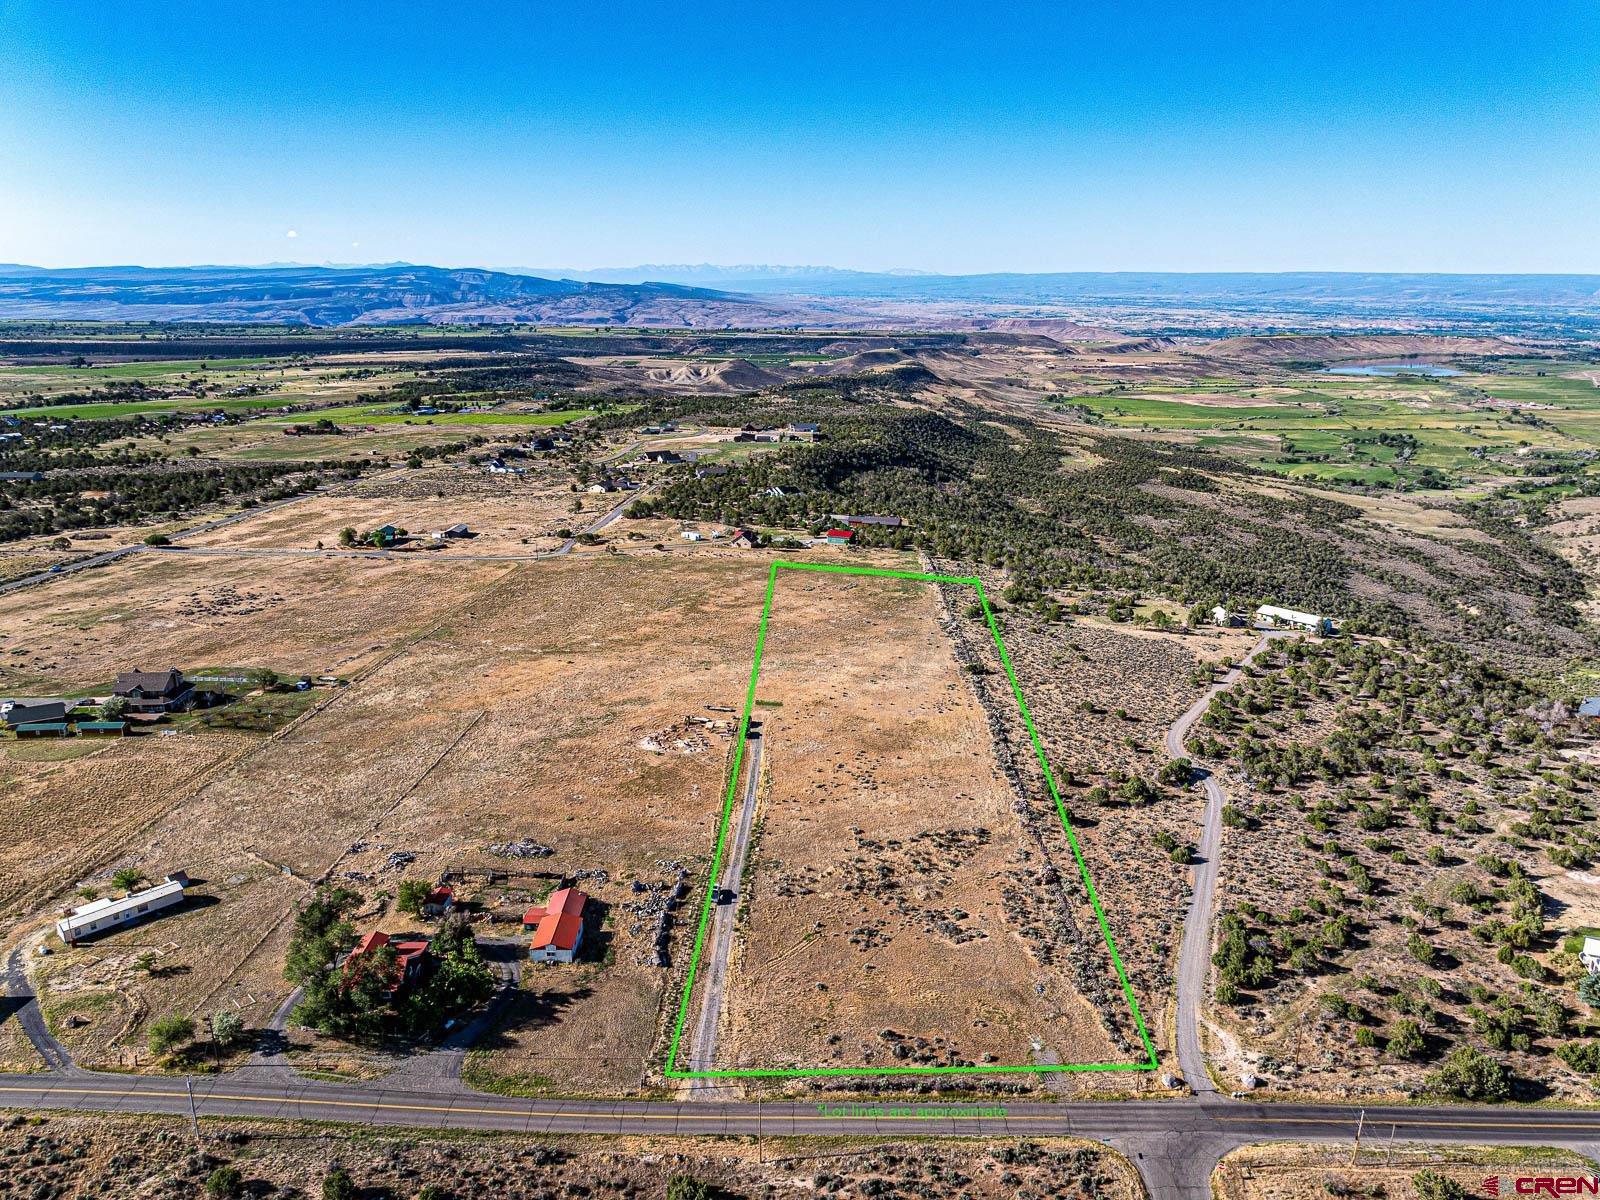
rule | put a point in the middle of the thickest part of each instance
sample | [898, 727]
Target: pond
[1394, 369]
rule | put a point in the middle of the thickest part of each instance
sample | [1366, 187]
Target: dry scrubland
[1417, 858]
[1102, 699]
[1298, 1172]
[881, 918]
[127, 1157]
[549, 705]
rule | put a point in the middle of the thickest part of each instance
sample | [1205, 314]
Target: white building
[102, 916]
[1589, 956]
[1221, 616]
[1272, 617]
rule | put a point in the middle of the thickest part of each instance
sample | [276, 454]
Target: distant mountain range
[1144, 287]
[396, 293]
[1071, 306]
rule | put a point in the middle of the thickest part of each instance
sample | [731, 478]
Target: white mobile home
[1273, 617]
[103, 916]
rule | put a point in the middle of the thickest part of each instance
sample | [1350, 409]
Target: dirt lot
[882, 925]
[1290, 1172]
[143, 1157]
[152, 610]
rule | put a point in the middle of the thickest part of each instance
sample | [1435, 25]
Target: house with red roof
[557, 926]
[839, 537]
[411, 959]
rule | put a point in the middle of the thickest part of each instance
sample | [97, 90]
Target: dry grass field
[155, 610]
[68, 808]
[880, 926]
[1285, 1171]
[507, 514]
[119, 1158]
[558, 704]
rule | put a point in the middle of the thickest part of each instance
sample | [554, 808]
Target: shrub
[127, 879]
[1431, 1185]
[687, 1187]
[1405, 1040]
[1589, 990]
[337, 1185]
[1469, 1074]
[225, 1183]
[157, 539]
[1581, 1056]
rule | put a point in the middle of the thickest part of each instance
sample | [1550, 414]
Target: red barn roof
[841, 534]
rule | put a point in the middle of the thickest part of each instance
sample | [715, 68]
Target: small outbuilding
[439, 901]
[1590, 708]
[839, 537]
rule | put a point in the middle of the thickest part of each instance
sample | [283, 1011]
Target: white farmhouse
[1272, 616]
[102, 916]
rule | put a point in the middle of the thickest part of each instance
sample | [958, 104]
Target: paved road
[1194, 956]
[1174, 1143]
[712, 975]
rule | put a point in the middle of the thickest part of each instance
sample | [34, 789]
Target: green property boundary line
[672, 1071]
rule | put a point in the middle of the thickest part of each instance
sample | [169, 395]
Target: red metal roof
[846, 534]
[370, 941]
[558, 930]
[562, 902]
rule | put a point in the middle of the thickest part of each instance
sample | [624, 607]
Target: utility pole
[194, 1117]
[1355, 1151]
[1389, 1153]
[761, 1150]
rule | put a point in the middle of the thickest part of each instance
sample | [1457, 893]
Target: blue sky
[1457, 136]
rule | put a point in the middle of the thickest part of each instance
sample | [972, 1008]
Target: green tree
[114, 709]
[227, 1027]
[157, 539]
[169, 1032]
[347, 537]
[127, 879]
[411, 894]
[337, 1185]
[1589, 990]
[225, 1183]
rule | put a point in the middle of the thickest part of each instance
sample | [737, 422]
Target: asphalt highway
[1175, 1143]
